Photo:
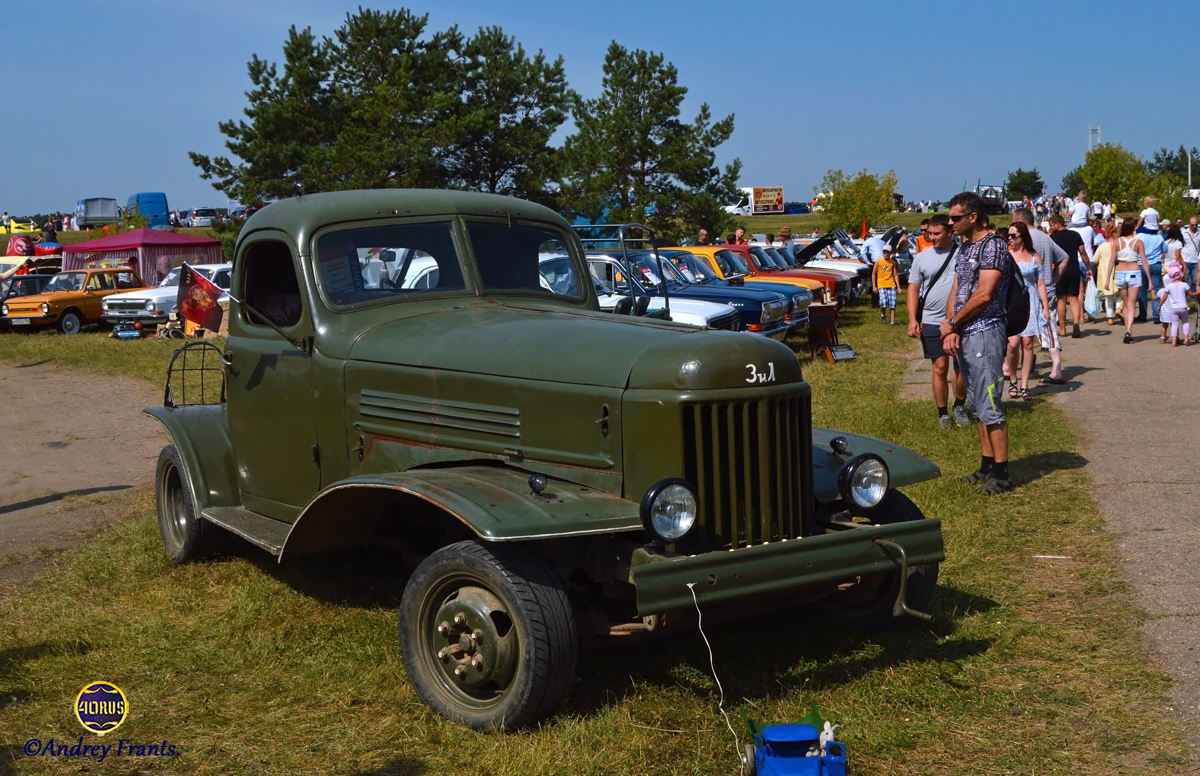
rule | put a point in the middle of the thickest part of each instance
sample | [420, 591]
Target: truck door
[269, 385]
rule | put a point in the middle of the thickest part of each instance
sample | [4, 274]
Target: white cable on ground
[737, 745]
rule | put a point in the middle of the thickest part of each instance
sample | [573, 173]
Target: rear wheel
[869, 603]
[185, 535]
[70, 322]
[488, 636]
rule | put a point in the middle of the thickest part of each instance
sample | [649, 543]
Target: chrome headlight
[45, 308]
[863, 481]
[4, 310]
[669, 509]
[104, 304]
[150, 304]
[766, 314]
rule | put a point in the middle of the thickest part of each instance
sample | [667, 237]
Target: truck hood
[582, 347]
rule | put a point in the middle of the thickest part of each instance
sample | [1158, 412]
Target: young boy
[884, 283]
[1148, 218]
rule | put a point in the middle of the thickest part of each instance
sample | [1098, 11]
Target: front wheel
[185, 535]
[488, 636]
[70, 322]
[869, 603]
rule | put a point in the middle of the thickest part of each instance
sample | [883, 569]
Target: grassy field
[1034, 666]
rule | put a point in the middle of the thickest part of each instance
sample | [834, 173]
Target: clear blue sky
[107, 98]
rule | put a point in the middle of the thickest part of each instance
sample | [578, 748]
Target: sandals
[974, 478]
[994, 487]
[1025, 395]
[1128, 338]
[1013, 391]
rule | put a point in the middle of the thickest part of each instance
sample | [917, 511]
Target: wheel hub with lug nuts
[475, 642]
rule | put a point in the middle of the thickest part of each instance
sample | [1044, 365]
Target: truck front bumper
[812, 562]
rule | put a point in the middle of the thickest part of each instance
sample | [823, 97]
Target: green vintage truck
[552, 471]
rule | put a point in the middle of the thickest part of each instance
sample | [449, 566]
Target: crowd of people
[1083, 262]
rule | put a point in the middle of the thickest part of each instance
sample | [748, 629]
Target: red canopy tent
[156, 252]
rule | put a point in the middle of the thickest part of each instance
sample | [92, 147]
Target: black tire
[185, 535]
[515, 642]
[869, 604]
[70, 322]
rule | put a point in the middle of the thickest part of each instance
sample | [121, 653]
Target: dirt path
[76, 453]
[1138, 408]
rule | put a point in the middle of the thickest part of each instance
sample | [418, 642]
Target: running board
[258, 530]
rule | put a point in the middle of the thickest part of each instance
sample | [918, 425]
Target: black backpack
[1016, 303]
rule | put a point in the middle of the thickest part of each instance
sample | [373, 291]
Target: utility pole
[1093, 131]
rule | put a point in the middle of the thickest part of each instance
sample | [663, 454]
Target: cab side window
[270, 285]
[100, 282]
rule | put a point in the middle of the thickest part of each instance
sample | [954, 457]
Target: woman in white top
[1173, 252]
[1125, 274]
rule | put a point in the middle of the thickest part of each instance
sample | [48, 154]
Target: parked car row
[72, 299]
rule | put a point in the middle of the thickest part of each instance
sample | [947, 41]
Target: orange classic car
[71, 300]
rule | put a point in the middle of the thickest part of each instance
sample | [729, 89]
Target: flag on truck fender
[197, 299]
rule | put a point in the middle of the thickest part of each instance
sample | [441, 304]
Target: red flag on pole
[864, 234]
[197, 299]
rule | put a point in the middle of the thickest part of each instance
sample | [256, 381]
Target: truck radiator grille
[728, 322]
[750, 462]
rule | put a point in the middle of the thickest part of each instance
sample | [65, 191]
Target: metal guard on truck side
[780, 567]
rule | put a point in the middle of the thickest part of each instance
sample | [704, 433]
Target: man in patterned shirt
[974, 330]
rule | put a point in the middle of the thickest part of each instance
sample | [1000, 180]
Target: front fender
[494, 502]
[201, 434]
[904, 466]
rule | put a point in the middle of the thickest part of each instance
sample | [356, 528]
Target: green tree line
[1112, 172]
[385, 102]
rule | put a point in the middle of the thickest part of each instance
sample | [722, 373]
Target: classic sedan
[697, 272]
[613, 286]
[763, 312]
[737, 259]
[154, 305]
[71, 299]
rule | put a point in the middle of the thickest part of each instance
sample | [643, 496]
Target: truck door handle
[226, 360]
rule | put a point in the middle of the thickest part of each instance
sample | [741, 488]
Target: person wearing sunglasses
[1052, 256]
[1020, 346]
[974, 330]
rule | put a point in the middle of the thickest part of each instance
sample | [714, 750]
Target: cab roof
[311, 211]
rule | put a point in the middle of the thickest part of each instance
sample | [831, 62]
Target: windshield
[692, 268]
[646, 270]
[731, 263]
[761, 260]
[391, 261]
[775, 257]
[67, 281]
[846, 246]
[510, 258]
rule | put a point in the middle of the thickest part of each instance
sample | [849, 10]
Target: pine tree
[632, 158]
